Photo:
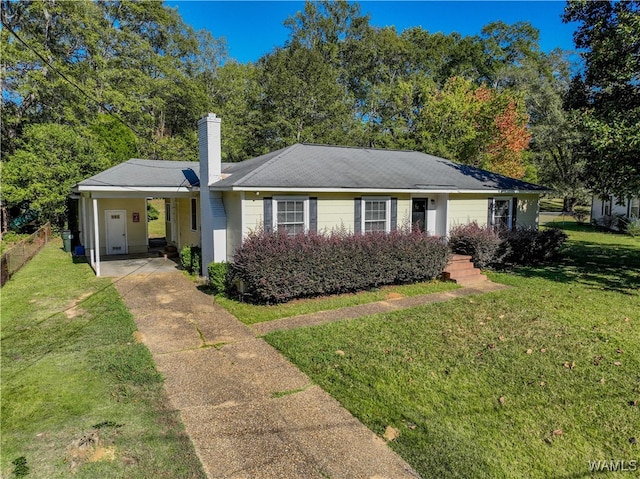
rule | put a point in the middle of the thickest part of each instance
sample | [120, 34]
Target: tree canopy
[115, 79]
[607, 94]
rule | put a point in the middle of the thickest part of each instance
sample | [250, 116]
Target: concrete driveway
[248, 411]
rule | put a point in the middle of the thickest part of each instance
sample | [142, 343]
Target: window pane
[375, 215]
[290, 216]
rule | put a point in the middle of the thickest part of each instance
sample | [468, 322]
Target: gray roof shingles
[137, 173]
[319, 166]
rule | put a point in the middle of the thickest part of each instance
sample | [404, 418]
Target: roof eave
[376, 190]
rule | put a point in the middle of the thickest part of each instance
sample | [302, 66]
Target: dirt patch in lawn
[72, 310]
[394, 296]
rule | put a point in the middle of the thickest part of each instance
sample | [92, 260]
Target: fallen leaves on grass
[391, 433]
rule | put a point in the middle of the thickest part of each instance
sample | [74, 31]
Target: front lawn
[534, 381]
[252, 313]
[80, 395]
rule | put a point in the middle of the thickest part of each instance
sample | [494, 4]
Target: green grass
[556, 205]
[71, 367]
[561, 348]
[157, 228]
[250, 313]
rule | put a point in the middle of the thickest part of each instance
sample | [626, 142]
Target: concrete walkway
[352, 312]
[248, 411]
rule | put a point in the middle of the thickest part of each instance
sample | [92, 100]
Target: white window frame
[193, 213]
[387, 200]
[167, 212]
[634, 204]
[282, 199]
[509, 214]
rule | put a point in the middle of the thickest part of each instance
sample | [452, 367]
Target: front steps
[460, 270]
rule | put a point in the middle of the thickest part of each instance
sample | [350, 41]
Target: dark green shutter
[394, 214]
[514, 213]
[313, 215]
[268, 215]
[357, 228]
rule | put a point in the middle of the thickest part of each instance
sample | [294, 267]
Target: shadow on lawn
[609, 267]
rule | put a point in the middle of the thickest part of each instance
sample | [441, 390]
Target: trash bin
[66, 240]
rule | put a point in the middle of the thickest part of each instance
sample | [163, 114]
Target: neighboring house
[606, 211]
[302, 188]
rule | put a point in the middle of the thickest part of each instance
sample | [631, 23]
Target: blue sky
[253, 28]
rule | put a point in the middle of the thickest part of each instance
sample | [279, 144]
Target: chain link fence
[17, 256]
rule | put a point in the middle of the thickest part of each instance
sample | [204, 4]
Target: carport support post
[96, 235]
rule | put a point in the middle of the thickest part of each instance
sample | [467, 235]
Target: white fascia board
[120, 192]
[378, 190]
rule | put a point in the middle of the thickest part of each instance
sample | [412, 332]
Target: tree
[235, 96]
[302, 100]
[607, 95]
[47, 163]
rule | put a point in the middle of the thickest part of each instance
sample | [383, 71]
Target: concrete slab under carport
[113, 266]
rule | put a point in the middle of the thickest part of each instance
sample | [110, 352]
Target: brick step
[461, 270]
[459, 266]
[460, 258]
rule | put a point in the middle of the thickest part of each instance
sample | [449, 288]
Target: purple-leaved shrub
[275, 267]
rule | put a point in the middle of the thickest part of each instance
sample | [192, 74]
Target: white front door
[116, 231]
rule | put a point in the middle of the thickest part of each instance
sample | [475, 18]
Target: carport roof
[137, 174]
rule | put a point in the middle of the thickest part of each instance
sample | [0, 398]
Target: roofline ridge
[361, 147]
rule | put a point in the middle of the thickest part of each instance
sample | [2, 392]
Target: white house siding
[136, 232]
[612, 207]
[465, 209]
[528, 211]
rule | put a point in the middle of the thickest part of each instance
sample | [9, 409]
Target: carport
[112, 214]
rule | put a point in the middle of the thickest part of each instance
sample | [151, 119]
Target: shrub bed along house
[490, 249]
[275, 267]
[190, 259]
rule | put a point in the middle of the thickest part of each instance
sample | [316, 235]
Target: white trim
[242, 218]
[96, 236]
[305, 210]
[509, 211]
[136, 189]
[387, 214]
[375, 190]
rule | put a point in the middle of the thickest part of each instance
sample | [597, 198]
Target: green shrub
[632, 227]
[191, 259]
[479, 242]
[529, 246]
[218, 273]
[152, 212]
[275, 267]
[522, 246]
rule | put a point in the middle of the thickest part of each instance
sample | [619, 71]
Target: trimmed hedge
[191, 258]
[489, 249]
[218, 276]
[275, 267]
[531, 246]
